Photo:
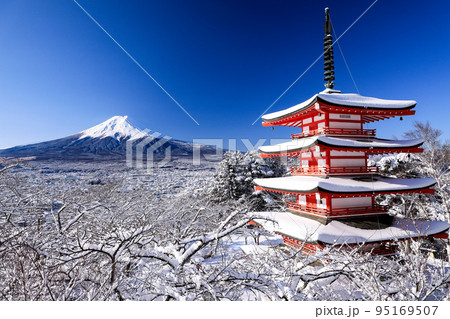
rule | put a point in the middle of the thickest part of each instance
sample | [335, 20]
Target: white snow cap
[116, 127]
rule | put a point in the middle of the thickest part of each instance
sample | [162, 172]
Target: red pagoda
[332, 186]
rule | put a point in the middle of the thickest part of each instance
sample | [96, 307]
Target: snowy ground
[166, 180]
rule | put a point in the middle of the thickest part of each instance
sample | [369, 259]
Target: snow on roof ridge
[351, 142]
[116, 127]
[293, 109]
[344, 99]
[330, 91]
[354, 99]
[343, 184]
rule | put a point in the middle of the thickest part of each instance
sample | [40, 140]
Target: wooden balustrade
[336, 131]
[343, 170]
[338, 212]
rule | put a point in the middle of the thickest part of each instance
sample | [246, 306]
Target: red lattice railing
[338, 212]
[315, 170]
[336, 131]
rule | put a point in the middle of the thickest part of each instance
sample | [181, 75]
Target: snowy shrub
[400, 165]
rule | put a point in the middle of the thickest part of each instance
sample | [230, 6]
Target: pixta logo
[142, 152]
[151, 150]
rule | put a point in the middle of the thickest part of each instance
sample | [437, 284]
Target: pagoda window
[321, 162]
[345, 162]
[301, 200]
[347, 154]
[352, 125]
[350, 117]
[306, 154]
[320, 117]
[321, 201]
[308, 120]
[351, 202]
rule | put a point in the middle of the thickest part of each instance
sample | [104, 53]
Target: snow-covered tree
[234, 178]
[434, 162]
[100, 242]
[401, 165]
[350, 275]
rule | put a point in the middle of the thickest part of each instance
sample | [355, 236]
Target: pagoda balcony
[336, 131]
[344, 170]
[338, 212]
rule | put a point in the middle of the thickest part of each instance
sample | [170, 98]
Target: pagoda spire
[328, 55]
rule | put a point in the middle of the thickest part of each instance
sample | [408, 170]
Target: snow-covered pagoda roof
[337, 232]
[352, 144]
[347, 100]
[344, 185]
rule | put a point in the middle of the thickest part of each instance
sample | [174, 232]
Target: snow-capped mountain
[105, 141]
[116, 127]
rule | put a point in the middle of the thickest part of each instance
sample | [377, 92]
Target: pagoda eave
[340, 233]
[344, 194]
[317, 106]
[326, 147]
[321, 245]
[345, 186]
[368, 151]
[382, 248]
[326, 103]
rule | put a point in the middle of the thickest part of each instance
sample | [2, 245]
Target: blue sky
[224, 61]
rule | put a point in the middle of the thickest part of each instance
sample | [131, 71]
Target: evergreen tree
[234, 179]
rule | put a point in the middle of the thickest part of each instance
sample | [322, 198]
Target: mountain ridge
[105, 141]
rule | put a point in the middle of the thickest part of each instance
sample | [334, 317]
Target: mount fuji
[105, 141]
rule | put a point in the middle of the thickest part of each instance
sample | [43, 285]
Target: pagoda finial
[328, 55]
